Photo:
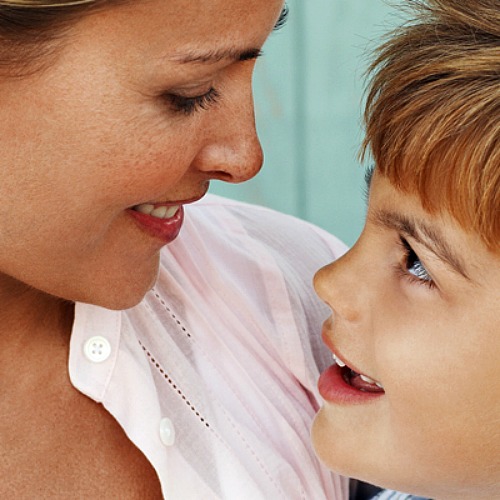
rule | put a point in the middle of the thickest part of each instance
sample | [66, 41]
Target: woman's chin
[126, 299]
[119, 303]
[118, 294]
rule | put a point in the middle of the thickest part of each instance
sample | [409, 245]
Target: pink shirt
[213, 375]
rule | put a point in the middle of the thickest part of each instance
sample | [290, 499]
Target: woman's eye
[413, 268]
[190, 104]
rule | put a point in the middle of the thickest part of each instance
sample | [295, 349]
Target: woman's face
[415, 308]
[146, 104]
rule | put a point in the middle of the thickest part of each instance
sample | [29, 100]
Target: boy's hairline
[400, 152]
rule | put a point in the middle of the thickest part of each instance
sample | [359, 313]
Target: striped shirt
[396, 495]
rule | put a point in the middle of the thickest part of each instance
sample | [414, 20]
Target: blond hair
[43, 3]
[432, 114]
[32, 31]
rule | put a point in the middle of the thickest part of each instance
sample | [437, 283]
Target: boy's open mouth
[358, 380]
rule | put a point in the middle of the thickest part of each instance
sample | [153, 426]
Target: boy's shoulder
[359, 490]
[396, 495]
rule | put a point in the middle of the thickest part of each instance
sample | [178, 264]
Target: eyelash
[190, 105]
[368, 180]
[411, 260]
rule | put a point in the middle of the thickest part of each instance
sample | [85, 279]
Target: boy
[412, 401]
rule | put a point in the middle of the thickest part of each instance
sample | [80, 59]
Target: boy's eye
[190, 104]
[413, 267]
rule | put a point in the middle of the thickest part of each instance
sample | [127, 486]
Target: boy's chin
[341, 450]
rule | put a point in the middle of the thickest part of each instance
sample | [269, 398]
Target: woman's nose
[232, 151]
[340, 287]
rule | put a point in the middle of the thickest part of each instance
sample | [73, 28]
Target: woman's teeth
[353, 374]
[162, 212]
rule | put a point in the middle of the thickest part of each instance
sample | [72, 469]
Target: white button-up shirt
[213, 375]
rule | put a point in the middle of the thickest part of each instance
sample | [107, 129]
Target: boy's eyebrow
[424, 234]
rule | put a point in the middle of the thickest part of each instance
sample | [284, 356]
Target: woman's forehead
[182, 29]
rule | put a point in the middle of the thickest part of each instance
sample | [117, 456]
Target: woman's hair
[31, 31]
[433, 111]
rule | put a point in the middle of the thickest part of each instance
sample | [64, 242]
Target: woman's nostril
[229, 162]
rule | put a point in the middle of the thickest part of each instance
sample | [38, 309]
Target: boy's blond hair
[433, 111]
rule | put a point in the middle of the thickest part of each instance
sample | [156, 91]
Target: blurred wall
[308, 93]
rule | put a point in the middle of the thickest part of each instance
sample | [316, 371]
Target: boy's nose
[338, 285]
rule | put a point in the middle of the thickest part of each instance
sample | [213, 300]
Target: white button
[167, 432]
[97, 349]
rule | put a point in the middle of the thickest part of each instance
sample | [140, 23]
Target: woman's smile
[161, 222]
[121, 152]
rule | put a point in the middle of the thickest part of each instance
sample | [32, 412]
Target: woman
[115, 116]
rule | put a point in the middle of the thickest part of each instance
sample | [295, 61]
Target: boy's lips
[357, 379]
[342, 383]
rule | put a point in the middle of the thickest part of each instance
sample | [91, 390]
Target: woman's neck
[31, 322]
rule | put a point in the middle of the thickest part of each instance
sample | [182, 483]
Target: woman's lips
[163, 219]
[162, 222]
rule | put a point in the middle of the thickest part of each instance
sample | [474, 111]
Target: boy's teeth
[162, 212]
[338, 361]
[367, 379]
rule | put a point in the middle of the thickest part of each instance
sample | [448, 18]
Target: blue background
[308, 94]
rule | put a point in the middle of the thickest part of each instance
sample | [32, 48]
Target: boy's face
[416, 307]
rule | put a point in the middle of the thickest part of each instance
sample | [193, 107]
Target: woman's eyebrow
[423, 233]
[214, 56]
[230, 53]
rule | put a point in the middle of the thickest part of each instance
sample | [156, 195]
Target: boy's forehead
[459, 178]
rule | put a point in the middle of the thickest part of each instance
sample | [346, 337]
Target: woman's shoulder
[271, 227]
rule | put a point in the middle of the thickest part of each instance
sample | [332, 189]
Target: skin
[82, 142]
[98, 137]
[431, 341]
